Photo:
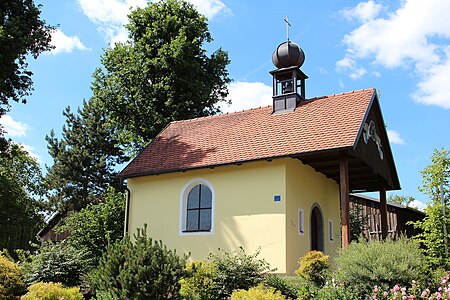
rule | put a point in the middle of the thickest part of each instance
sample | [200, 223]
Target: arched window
[197, 208]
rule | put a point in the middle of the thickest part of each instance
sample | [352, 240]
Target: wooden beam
[345, 207]
[383, 212]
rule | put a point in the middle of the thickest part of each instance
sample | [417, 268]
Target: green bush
[387, 263]
[313, 266]
[57, 263]
[140, 269]
[94, 227]
[281, 284]
[237, 270]
[11, 284]
[257, 293]
[198, 284]
[52, 291]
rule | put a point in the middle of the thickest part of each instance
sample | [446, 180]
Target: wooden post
[344, 190]
[383, 211]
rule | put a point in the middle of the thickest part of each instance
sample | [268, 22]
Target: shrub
[313, 266]
[57, 263]
[94, 227]
[143, 269]
[237, 270]
[52, 291]
[397, 292]
[386, 263]
[257, 293]
[285, 287]
[11, 284]
[198, 284]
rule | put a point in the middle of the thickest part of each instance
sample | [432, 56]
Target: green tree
[22, 33]
[161, 73]
[435, 226]
[20, 191]
[84, 158]
[401, 200]
[94, 227]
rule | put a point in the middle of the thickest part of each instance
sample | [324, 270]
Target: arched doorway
[316, 228]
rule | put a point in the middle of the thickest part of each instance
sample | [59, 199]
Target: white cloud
[13, 127]
[246, 95]
[210, 8]
[349, 64]
[110, 15]
[418, 205]
[434, 89]
[415, 36]
[66, 44]
[364, 11]
[395, 138]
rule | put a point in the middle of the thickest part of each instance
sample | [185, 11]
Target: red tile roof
[325, 123]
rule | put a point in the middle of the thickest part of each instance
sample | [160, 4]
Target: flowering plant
[397, 292]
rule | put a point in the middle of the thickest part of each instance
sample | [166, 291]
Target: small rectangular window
[301, 222]
[330, 230]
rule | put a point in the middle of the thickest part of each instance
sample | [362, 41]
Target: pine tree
[84, 158]
[139, 269]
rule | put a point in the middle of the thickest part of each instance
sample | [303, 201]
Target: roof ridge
[221, 114]
[340, 94]
[266, 106]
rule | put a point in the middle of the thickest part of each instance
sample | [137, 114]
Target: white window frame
[183, 207]
[301, 222]
[330, 231]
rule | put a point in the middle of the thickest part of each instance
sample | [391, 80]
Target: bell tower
[288, 79]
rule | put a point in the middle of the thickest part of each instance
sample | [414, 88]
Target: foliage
[415, 292]
[94, 227]
[20, 182]
[383, 263]
[436, 184]
[84, 159]
[52, 291]
[11, 284]
[57, 263]
[313, 266]
[198, 283]
[257, 293]
[281, 284]
[22, 33]
[143, 269]
[337, 291]
[358, 223]
[237, 270]
[161, 73]
[401, 200]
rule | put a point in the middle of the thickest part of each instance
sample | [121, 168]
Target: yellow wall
[245, 213]
[305, 188]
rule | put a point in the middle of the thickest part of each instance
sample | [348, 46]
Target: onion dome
[288, 54]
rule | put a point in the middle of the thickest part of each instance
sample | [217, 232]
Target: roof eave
[238, 162]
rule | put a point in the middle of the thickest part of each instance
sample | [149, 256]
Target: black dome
[287, 55]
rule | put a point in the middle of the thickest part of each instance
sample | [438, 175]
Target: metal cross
[287, 26]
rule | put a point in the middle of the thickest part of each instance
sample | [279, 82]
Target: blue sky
[401, 48]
